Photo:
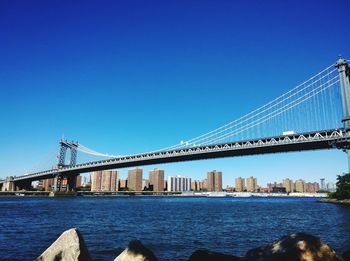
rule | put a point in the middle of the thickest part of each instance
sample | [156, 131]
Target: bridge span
[329, 139]
[313, 102]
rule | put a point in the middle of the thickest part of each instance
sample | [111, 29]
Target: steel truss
[330, 139]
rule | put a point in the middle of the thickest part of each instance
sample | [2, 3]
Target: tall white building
[179, 183]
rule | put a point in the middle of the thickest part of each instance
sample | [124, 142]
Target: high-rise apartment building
[299, 185]
[135, 179]
[214, 180]
[104, 180]
[288, 185]
[312, 187]
[239, 184]
[205, 184]
[330, 186]
[252, 185]
[47, 184]
[89, 180]
[323, 185]
[96, 177]
[156, 179]
[196, 185]
[179, 183]
[78, 181]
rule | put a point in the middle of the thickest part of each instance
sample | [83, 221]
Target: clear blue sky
[132, 76]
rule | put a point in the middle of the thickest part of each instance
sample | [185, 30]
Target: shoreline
[336, 201]
[174, 194]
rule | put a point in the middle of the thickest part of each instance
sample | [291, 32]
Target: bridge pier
[57, 183]
[65, 183]
[72, 182]
[8, 184]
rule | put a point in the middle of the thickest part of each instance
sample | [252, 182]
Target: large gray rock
[136, 252]
[69, 246]
[294, 247]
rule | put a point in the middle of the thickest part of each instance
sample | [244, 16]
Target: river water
[172, 227]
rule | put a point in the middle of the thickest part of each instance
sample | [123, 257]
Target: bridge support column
[65, 183]
[344, 77]
[57, 183]
[8, 184]
[72, 182]
[348, 154]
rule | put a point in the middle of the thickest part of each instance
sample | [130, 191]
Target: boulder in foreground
[294, 247]
[136, 252]
[69, 246]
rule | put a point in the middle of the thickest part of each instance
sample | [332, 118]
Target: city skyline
[228, 179]
[103, 64]
[247, 184]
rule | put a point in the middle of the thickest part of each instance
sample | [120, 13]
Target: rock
[69, 246]
[297, 246]
[205, 255]
[136, 252]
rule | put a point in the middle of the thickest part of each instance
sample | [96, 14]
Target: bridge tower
[344, 77]
[58, 179]
[64, 146]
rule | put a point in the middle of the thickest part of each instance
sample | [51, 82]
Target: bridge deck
[329, 139]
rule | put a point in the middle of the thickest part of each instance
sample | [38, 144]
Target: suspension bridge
[314, 115]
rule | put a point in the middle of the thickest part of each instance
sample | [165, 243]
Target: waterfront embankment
[163, 193]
